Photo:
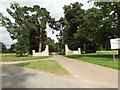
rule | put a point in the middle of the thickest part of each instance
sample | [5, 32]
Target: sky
[55, 7]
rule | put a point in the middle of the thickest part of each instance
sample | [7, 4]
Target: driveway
[17, 77]
[90, 75]
[85, 75]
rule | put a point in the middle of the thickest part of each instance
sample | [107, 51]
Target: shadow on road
[14, 77]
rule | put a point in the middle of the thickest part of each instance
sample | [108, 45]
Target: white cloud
[55, 7]
[5, 37]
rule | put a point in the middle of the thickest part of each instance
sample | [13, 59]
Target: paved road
[90, 75]
[87, 74]
[16, 77]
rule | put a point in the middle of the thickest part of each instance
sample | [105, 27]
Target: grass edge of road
[99, 58]
[10, 58]
[50, 66]
[109, 64]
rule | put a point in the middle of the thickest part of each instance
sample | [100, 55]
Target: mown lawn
[13, 57]
[46, 65]
[103, 58]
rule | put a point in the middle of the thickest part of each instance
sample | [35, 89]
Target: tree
[92, 28]
[88, 31]
[60, 25]
[18, 29]
[28, 28]
[12, 48]
[43, 17]
[51, 43]
[111, 24]
[74, 15]
[3, 48]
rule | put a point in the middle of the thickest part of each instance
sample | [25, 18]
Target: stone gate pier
[43, 53]
[70, 52]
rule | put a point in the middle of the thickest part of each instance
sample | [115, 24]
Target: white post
[47, 50]
[113, 55]
[79, 51]
[66, 49]
[33, 52]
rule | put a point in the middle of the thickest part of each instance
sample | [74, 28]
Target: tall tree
[74, 15]
[60, 25]
[88, 31]
[29, 26]
[111, 12]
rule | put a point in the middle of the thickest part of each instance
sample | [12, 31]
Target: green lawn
[103, 58]
[13, 57]
[45, 65]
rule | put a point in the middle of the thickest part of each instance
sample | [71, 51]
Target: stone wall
[44, 53]
[70, 52]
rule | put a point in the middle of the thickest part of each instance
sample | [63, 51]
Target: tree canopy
[28, 27]
[3, 48]
[90, 30]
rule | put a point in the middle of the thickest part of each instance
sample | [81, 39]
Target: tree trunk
[119, 53]
[118, 26]
[40, 45]
[62, 39]
[40, 41]
[62, 42]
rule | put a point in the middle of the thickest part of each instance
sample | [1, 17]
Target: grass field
[103, 58]
[45, 65]
[13, 57]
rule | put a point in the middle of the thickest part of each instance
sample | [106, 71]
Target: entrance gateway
[43, 53]
[70, 52]
[46, 51]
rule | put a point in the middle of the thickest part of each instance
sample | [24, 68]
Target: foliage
[3, 48]
[91, 29]
[74, 16]
[28, 27]
[61, 25]
[51, 43]
[111, 21]
[88, 31]
[12, 48]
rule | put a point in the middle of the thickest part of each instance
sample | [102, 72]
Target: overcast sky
[55, 7]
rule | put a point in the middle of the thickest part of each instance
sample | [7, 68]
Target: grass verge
[103, 58]
[13, 57]
[46, 65]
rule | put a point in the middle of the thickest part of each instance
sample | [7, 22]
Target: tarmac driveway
[85, 75]
[17, 77]
[90, 75]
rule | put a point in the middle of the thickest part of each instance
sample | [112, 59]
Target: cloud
[5, 37]
[55, 7]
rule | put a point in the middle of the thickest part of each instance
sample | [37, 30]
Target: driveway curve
[91, 75]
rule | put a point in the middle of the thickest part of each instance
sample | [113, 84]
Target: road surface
[17, 77]
[91, 75]
[85, 75]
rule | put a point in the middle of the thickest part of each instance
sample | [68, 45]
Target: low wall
[44, 53]
[70, 52]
